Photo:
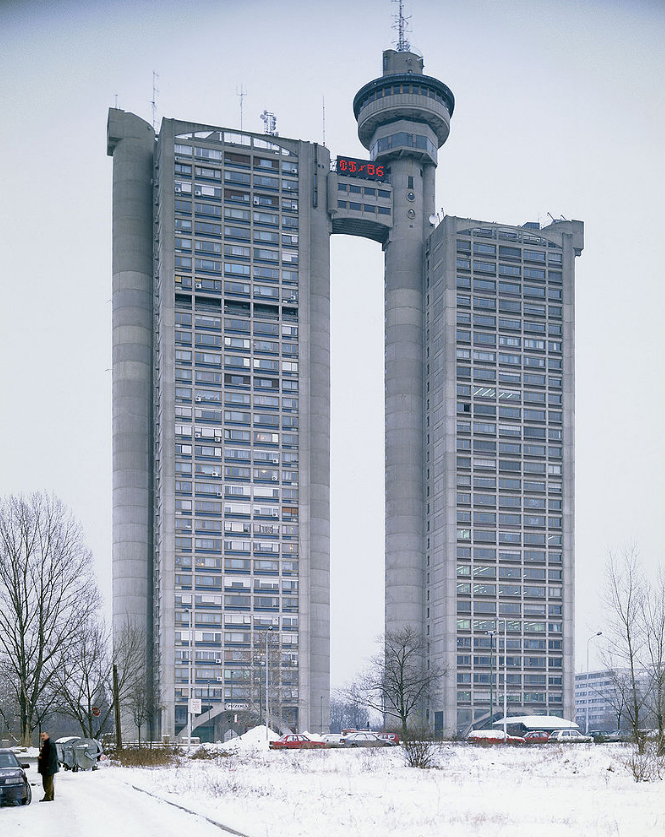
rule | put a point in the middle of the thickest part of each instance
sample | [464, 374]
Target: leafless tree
[653, 618]
[348, 710]
[398, 683]
[47, 595]
[84, 678]
[625, 601]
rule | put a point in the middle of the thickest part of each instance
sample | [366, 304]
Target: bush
[420, 749]
[647, 766]
[202, 753]
[145, 757]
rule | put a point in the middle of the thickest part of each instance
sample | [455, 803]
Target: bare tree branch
[47, 594]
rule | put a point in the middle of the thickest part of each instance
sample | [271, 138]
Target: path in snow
[99, 803]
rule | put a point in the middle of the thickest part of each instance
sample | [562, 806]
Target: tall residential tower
[221, 416]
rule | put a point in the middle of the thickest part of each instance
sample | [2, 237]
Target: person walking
[47, 766]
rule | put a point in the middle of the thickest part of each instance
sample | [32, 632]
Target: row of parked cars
[540, 736]
[348, 738]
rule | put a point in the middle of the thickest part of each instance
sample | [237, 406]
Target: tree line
[57, 657]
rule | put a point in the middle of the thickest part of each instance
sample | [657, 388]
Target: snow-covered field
[543, 791]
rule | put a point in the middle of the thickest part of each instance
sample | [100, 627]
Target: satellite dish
[433, 219]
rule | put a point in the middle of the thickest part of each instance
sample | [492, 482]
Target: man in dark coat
[48, 766]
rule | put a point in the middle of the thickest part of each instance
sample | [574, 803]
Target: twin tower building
[221, 417]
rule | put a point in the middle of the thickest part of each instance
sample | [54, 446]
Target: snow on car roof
[544, 722]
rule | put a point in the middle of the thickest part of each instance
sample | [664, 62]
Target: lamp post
[491, 636]
[586, 724]
[190, 611]
[267, 700]
[505, 679]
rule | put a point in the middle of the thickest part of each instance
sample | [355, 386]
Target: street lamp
[190, 612]
[505, 678]
[267, 700]
[586, 725]
[491, 635]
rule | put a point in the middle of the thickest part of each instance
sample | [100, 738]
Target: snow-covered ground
[543, 791]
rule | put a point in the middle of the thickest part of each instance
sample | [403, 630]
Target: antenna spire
[401, 24]
[241, 95]
[155, 91]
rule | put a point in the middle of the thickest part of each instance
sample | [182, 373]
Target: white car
[569, 736]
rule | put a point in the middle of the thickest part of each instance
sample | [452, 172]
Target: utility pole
[116, 706]
[491, 636]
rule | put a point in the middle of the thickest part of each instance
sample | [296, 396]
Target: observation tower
[403, 119]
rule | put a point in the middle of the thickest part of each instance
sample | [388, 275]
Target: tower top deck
[403, 92]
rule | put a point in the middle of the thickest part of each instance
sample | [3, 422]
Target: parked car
[364, 739]
[291, 741]
[390, 737]
[569, 736]
[536, 736]
[14, 784]
[493, 736]
[331, 739]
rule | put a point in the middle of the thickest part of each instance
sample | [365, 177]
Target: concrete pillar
[131, 143]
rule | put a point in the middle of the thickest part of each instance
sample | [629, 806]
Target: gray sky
[559, 109]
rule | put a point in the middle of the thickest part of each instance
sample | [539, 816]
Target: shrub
[647, 766]
[420, 749]
[145, 757]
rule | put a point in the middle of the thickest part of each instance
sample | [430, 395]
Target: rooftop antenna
[155, 91]
[269, 123]
[116, 101]
[241, 95]
[324, 119]
[401, 24]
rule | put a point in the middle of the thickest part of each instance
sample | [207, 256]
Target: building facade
[221, 394]
[603, 700]
[499, 472]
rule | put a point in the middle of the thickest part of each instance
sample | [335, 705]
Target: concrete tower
[131, 143]
[403, 119]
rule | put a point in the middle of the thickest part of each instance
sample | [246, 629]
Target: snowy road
[99, 803]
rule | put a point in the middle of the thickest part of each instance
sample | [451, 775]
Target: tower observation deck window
[403, 139]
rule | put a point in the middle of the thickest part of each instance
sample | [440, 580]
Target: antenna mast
[241, 95]
[324, 118]
[401, 24]
[155, 91]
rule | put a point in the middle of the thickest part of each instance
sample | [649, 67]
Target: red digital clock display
[360, 168]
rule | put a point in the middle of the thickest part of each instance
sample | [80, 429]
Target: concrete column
[413, 202]
[131, 143]
[314, 709]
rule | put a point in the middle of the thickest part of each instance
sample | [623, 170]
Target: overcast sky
[559, 109]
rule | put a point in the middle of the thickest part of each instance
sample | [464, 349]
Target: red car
[392, 737]
[296, 742]
[492, 736]
[536, 736]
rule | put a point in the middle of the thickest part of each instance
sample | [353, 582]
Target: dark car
[14, 784]
[536, 736]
